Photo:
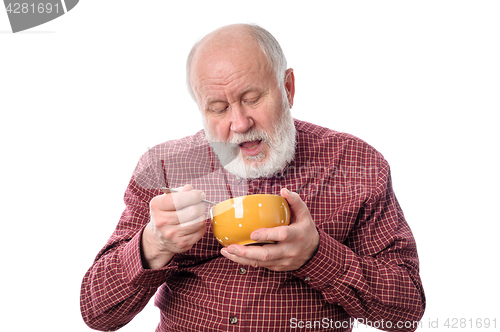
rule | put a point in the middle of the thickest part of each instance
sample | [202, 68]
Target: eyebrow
[244, 91]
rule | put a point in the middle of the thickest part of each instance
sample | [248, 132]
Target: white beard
[281, 150]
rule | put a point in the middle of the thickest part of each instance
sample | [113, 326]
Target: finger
[186, 197]
[200, 219]
[192, 227]
[166, 190]
[240, 260]
[277, 234]
[187, 187]
[177, 201]
[170, 231]
[279, 264]
[282, 264]
[232, 253]
[265, 253]
[185, 242]
[191, 213]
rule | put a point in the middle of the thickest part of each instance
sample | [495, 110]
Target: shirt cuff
[131, 262]
[326, 265]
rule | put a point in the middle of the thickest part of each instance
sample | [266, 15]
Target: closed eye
[251, 101]
[219, 110]
[218, 107]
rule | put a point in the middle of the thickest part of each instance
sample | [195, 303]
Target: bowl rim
[247, 196]
[212, 207]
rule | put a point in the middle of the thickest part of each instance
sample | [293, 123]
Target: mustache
[253, 135]
[250, 136]
[228, 150]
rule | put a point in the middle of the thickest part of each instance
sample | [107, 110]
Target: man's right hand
[177, 223]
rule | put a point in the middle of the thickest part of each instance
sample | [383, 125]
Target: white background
[83, 96]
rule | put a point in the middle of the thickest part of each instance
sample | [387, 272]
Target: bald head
[235, 41]
[227, 37]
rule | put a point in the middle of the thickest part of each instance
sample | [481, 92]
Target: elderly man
[347, 256]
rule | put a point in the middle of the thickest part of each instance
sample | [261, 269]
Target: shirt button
[233, 320]
[242, 270]
[307, 279]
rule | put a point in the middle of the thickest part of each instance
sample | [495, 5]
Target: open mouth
[251, 147]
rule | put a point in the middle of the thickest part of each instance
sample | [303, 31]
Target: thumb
[297, 205]
[187, 187]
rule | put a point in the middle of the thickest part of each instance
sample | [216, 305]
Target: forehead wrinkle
[221, 81]
[238, 95]
[214, 88]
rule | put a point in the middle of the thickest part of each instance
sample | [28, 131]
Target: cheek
[270, 115]
[217, 128]
[273, 106]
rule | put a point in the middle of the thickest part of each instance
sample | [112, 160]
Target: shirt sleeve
[374, 274]
[117, 286]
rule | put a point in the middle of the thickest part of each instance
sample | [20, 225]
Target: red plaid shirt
[366, 267]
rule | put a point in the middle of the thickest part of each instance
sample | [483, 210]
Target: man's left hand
[295, 243]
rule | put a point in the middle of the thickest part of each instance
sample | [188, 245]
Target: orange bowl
[233, 220]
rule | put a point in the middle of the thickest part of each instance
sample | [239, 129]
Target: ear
[290, 85]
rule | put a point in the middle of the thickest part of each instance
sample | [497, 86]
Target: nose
[241, 121]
